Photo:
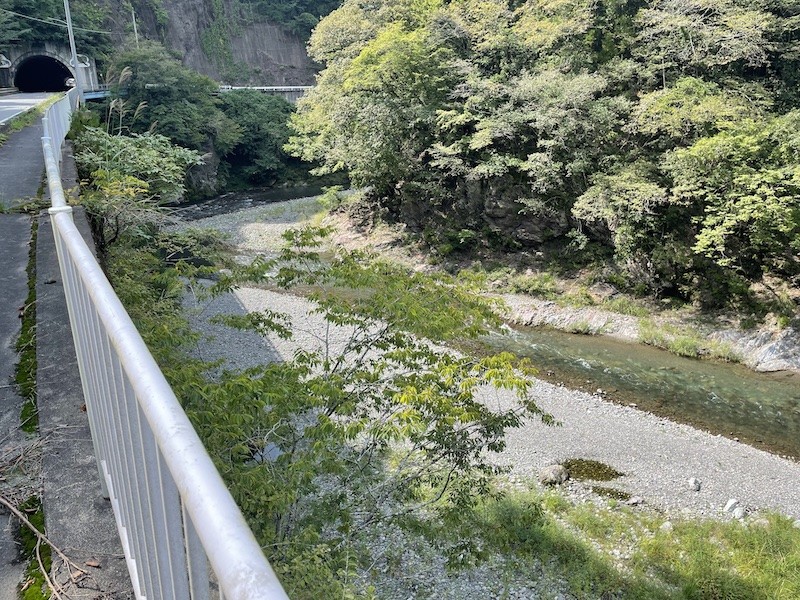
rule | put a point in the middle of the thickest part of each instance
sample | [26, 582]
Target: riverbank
[599, 310]
[657, 529]
[657, 456]
[764, 350]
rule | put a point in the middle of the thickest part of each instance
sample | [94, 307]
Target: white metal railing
[174, 514]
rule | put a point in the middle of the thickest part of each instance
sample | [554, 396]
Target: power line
[56, 22]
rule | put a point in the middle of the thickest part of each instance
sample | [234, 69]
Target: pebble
[731, 505]
[666, 526]
[739, 512]
[797, 524]
[694, 483]
[636, 500]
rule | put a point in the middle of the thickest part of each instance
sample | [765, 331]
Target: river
[239, 200]
[762, 409]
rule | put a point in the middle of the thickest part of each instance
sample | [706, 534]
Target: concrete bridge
[292, 93]
[44, 67]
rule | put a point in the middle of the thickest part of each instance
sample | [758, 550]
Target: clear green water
[759, 408]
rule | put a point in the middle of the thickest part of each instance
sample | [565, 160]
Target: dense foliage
[244, 129]
[373, 425]
[127, 178]
[296, 16]
[361, 464]
[258, 157]
[45, 23]
[661, 132]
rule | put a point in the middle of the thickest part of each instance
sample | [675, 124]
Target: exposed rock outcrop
[273, 56]
[762, 350]
[766, 350]
[260, 53]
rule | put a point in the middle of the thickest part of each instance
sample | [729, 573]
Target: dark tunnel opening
[42, 74]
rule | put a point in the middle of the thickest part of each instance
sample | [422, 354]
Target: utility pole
[135, 32]
[75, 63]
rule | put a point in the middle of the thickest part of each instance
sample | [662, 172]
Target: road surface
[14, 104]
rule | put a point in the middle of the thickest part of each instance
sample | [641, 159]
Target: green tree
[376, 425]
[177, 102]
[373, 115]
[689, 109]
[520, 121]
[258, 155]
[45, 23]
[686, 35]
[131, 176]
[747, 181]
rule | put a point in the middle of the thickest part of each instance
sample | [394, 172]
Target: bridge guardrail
[174, 514]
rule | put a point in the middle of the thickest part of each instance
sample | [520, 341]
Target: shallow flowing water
[233, 201]
[760, 408]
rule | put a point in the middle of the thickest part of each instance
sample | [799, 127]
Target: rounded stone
[553, 475]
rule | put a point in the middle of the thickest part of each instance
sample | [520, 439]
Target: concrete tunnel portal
[42, 74]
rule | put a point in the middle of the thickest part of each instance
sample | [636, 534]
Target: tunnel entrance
[42, 74]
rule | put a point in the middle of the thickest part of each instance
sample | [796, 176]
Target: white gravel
[657, 456]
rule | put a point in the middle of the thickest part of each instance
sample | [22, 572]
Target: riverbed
[761, 409]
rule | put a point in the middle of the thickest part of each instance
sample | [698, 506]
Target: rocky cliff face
[271, 56]
[240, 52]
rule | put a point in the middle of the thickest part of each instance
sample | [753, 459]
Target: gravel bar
[657, 456]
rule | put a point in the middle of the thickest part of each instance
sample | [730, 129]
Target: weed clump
[582, 468]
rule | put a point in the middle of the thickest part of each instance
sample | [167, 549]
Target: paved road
[21, 166]
[14, 104]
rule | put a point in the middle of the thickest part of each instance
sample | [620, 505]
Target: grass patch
[34, 586]
[711, 559]
[540, 285]
[580, 298]
[610, 492]
[625, 306]
[684, 341]
[523, 527]
[624, 554]
[25, 370]
[581, 328]
[594, 470]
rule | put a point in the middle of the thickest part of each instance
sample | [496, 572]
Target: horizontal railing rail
[174, 514]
